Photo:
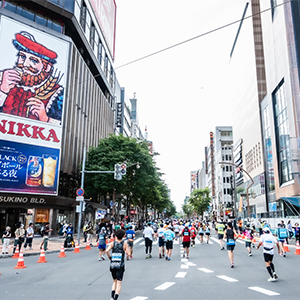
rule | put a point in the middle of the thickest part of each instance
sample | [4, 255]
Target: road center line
[205, 270]
[184, 266]
[264, 291]
[180, 274]
[164, 286]
[139, 298]
[229, 279]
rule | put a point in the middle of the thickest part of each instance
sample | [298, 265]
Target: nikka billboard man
[31, 88]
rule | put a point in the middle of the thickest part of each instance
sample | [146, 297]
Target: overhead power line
[199, 36]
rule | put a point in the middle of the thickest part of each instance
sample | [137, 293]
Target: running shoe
[103, 257]
[187, 257]
[166, 257]
[232, 265]
[169, 258]
[160, 256]
[250, 254]
[271, 279]
[275, 275]
[284, 255]
[100, 259]
[147, 256]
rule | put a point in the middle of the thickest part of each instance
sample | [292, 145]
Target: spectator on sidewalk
[90, 232]
[6, 239]
[85, 226]
[29, 236]
[45, 235]
[19, 236]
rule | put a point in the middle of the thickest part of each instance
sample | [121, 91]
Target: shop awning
[292, 200]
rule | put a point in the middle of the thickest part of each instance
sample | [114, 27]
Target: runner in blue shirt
[130, 235]
[169, 237]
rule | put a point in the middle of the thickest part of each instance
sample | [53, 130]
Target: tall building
[61, 100]
[265, 81]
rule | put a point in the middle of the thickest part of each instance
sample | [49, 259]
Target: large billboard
[105, 12]
[33, 69]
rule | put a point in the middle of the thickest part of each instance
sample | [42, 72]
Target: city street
[206, 275]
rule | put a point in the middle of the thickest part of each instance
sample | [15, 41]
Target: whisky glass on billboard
[49, 173]
[34, 172]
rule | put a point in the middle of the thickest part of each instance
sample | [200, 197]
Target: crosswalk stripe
[137, 240]
[139, 298]
[214, 239]
[205, 270]
[229, 279]
[190, 264]
[209, 242]
[264, 291]
[180, 274]
[164, 286]
[184, 260]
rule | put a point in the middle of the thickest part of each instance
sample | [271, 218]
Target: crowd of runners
[185, 232]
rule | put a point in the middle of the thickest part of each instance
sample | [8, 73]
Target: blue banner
[28, 169]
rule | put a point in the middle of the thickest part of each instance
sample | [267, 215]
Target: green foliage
[188, 210]
[142, 186]
[200, 200]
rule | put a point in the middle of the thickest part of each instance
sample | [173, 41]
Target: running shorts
[268, 257]
[117, 273]
[230, 247]
[248, 244]
[130, 244]
[102, 247]
[186, 244]
[207, 233]
[161, 242]
[220, 236]
[169, 245]
[202, 234]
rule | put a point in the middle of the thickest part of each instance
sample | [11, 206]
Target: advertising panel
[32, 84]
[105, 12]
[194, 179]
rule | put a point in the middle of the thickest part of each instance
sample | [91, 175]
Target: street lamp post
[252, 182]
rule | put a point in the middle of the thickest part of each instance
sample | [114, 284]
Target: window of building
[226, 157]
[282, 134]
[224, 179]
[273, 8]
[92, 35]
[83, 16]
[33, 15]
[228, 192]
[106, 66]
[227, 178]
[224, 191]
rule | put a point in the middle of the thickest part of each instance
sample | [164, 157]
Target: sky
[180, 91]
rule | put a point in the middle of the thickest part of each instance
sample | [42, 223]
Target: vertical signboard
[194, 179]
[105, 12]
[33, 70]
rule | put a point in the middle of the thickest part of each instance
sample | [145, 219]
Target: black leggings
[148, 244]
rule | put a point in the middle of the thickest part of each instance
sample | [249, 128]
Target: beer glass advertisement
[33, 68]
[28, 168]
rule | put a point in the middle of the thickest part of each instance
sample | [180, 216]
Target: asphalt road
[206, 275]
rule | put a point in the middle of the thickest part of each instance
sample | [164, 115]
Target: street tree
[200, 200]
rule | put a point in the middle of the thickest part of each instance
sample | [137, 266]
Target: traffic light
[123, 169]
[117, 174]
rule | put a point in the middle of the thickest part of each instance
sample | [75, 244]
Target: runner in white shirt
[148, 235]
[176, 230]
[161, 241]
[268, 241]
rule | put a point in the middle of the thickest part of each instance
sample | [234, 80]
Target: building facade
[69, 106]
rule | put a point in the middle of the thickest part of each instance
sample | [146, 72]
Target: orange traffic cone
[243, 237]
[62, 251]
[76, 250]
[254, 240]
[297, 252]
[20, 264]
[16, 254]
[285, 247]
[88, 246]
[42, 258]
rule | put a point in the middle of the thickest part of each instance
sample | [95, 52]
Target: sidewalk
[54, 245]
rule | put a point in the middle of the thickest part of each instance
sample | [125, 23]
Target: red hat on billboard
[26, 42]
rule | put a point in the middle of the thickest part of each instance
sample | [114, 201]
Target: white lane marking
[164, 286]
[155, 242]
[214, 239]
[184, 266]
[184, 260]
[229, 279]
[181, 251]
[180, 274]
[197, 242]
[205, 270]
[136, 241]
[264, 291]
[190, 264]
[209, 242]
[176, 242]
[139, 298]
[241, 242]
